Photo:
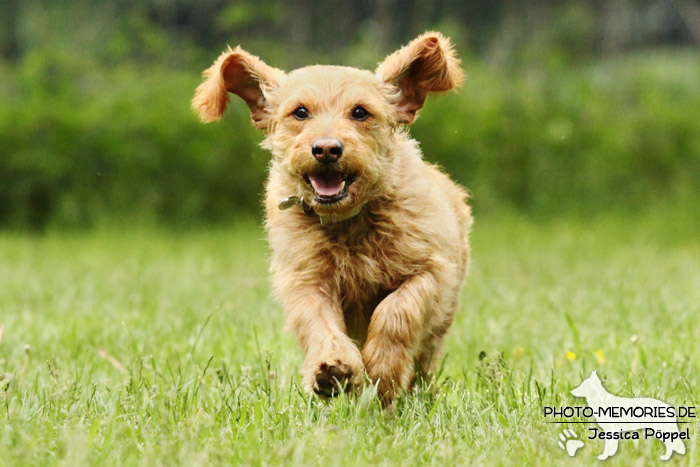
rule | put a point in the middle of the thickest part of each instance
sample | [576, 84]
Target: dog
[369, 242]
[618, 415]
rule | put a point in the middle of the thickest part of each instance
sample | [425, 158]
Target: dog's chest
[366, 267]
[364, 263]
[361, 282]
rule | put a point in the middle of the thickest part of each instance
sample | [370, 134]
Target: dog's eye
[360, 114]
[301, 113]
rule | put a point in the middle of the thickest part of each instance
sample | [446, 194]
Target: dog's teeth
[342, 187]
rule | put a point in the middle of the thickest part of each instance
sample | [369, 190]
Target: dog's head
[331, 128]
[589, 387]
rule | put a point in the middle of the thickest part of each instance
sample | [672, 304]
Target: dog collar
[324, 218]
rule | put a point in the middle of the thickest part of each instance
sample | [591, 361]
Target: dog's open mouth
[329, 186]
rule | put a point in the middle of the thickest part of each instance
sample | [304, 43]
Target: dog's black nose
[327, 149]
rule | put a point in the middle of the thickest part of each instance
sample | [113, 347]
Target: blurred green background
[570, 106]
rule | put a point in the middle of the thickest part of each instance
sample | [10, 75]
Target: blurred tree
[9, 42]
[95, 118]
[690, 14]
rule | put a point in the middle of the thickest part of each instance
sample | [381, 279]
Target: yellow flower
[518, 352]
[570, 356]
[600, 357]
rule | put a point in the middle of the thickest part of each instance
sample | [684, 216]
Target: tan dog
[369, 241]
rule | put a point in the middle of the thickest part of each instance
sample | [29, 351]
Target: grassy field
[145, 347]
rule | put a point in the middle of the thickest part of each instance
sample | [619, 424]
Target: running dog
[369, 241]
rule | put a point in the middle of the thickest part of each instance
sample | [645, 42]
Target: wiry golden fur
[376, 292]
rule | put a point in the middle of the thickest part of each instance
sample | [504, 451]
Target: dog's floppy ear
[241, 73]
[427, 64]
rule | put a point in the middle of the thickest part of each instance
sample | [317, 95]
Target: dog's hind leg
[673, 446]
[436, 326]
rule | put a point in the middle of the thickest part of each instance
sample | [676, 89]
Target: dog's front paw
[331, 380]
[387, 365]
[331, 376]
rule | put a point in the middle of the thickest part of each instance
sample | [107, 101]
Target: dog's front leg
[332, 358]
[394, 331]
[609, 450]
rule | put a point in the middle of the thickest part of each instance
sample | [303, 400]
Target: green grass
[159, 348]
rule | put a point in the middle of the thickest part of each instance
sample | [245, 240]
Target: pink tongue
[327, 183]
